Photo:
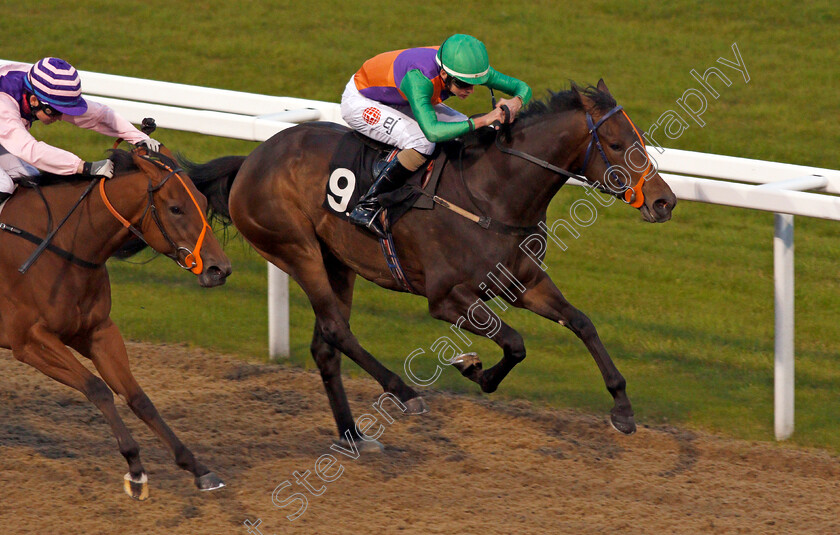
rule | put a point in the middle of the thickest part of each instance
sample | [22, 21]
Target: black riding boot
[4, 196]
[392, 176]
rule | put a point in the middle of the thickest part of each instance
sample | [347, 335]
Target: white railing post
[783, 276]
[278, 313]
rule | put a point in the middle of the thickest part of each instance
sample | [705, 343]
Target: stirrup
[376, 226]
[368, 217]
[364, 212]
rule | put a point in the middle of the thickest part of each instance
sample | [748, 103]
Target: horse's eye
[615, 146]
[176, 210]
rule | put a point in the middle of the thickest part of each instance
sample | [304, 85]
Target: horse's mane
[568, 99]
[555, 102]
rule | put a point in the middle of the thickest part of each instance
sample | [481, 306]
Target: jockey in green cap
[397, 98]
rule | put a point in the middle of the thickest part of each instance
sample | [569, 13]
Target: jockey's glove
[152, 145]
[104, 168]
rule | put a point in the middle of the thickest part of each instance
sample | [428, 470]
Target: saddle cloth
[351, 175]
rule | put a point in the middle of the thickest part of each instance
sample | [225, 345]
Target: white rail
[692, 176]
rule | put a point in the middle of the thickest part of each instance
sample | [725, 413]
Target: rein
[46, 243]
[192, 259]
[28, 236]
[632, 195]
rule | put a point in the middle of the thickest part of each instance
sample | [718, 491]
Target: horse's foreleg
[45, 352]
[465, 310]
[107, 351]
[547, 301]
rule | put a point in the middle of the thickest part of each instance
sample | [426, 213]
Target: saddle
[353, 169]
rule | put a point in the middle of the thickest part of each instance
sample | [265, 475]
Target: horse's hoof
[362, 446]
[209, 481]
[137, 489]
[467, 363]
[370, 446]
[416, 406]
[623, 424]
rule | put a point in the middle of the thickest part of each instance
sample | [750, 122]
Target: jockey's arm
[105, 120]
[511, 86]
[16, 139]
[418, 90]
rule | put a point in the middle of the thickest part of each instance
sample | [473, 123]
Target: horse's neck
[516, 191]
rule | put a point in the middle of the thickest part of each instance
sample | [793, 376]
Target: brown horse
[274, 198]
[64, 299]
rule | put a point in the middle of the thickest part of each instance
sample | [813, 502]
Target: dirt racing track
[470, 466]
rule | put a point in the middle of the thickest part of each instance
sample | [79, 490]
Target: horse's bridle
[192, 259]
[632, 195]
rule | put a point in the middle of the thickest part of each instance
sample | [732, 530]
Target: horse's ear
[581, 95]
[145, 165]
[602, 86]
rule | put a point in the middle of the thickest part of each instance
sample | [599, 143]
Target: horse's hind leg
[328, 360]
[107, 351]
[45, 352]
[546, 300]
[456, 309]
[307, 266]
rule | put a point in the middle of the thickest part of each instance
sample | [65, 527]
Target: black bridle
[630, 195]
[151, 208]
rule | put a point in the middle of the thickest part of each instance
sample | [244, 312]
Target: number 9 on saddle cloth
[353, 168]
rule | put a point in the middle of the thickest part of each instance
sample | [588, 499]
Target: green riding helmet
[464, 57]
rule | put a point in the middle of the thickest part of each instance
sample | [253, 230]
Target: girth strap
[389, 250]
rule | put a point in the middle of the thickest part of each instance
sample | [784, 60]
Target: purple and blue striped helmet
[56, 82]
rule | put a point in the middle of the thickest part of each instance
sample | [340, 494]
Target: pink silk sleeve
[16, 139]
[103, 119]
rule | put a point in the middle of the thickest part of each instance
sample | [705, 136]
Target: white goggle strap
[457, 74]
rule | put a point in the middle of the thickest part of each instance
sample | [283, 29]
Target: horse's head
[174, 223]
[616, 159]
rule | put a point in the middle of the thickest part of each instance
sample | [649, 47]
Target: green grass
[685, 308]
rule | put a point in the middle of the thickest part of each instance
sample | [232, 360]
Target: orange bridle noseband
[636, 191]
[192, 260]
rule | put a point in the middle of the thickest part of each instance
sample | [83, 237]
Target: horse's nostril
[216, 273]
[662, 206]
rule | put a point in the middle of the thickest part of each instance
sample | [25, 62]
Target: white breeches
[12, 167]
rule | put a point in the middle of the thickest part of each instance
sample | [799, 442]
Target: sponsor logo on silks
[389, 124]
[371, 115]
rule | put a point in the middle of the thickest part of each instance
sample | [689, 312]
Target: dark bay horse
[274, 198]
[64, 300]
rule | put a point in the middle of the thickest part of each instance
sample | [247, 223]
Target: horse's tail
[214, 179]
